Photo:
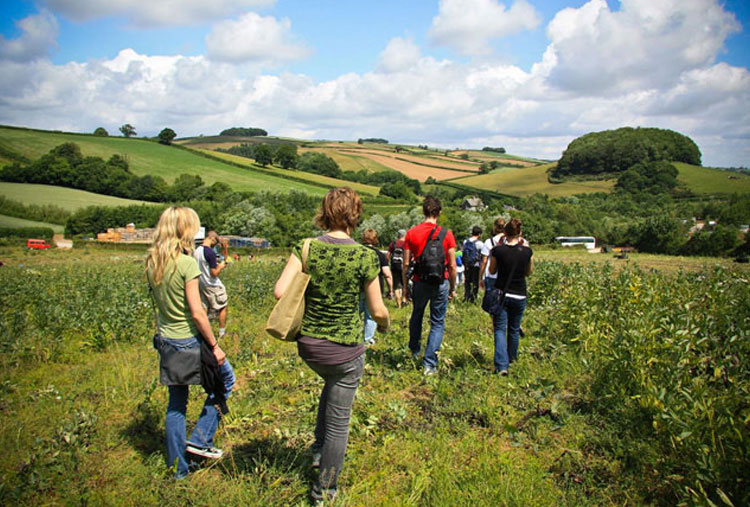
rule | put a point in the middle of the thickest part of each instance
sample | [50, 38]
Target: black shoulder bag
[494, 298]
[178, 366]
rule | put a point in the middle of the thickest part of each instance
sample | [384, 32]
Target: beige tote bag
[285, 321]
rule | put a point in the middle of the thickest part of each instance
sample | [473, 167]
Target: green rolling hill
[148, 157]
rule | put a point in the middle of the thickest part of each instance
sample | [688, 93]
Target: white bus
[588, 241]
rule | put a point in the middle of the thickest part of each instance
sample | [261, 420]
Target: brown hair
[431, 206]
[370, 237]
[513, 228]
[340, 209]
[498, 226]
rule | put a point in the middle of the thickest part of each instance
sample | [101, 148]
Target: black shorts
[398, 280]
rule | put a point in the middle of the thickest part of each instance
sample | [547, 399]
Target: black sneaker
[206, 452]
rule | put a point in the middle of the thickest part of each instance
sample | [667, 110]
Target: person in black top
[370, 240]
[512, 262]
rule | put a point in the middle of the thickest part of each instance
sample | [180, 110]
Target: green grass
[13, 222]
[67, 198]
[705, 180]
[147, 157]
[84, 415]
[531, 180]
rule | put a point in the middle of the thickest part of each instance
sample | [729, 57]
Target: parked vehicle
[37, 244]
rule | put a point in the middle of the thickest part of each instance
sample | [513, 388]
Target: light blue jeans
[437, 296]
[370, 324]
[508, 321]
[205, 428]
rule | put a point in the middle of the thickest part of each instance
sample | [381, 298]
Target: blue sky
[528, 75]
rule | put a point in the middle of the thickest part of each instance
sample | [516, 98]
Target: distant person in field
[472, 258]
[498, 234]
[432, 249]
[370, 240]
[512, 262]
[213, 292]
[172, 274]
[331, 338]
[459, 266]
[396, 259]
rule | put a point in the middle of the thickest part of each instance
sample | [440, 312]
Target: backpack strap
[429, 236]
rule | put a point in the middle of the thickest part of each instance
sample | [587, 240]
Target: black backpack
[431, 266]
[397, 256]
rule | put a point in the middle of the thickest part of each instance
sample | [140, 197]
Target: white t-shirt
[487, 247]
[206, 260]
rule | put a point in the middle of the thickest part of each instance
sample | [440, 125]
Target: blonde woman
[331, 338]
[173, 274]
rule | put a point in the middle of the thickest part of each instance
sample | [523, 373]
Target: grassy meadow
[13, 222]
[69, 199]
[631, 388]
[705, 180]
[531, 180]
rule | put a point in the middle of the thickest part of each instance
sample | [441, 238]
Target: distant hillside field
[332, 182]
[14, 223]
[146, 157]
[531, 180]
[705, 180]
[66, 198]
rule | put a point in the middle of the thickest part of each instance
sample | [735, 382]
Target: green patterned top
[338, 273]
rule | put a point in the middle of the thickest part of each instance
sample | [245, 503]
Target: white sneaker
[429, 370]
[206, 452]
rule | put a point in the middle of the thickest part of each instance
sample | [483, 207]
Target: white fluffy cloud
[154, 13]
[38, 35]
[400, 54]
[414, 98]
[254, 38]
[644, 45]
[470, 25]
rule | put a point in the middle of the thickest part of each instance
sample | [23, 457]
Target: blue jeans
[509, 319]
[332, 424]
[370, 324]
[437, 296]
[204, 430]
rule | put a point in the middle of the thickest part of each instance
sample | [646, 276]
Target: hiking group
[346, 282]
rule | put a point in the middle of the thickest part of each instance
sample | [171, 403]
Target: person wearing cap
[213, 292]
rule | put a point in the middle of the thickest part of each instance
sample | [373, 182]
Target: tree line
[65, 166]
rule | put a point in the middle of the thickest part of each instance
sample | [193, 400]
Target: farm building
[239, 241]
[473, 204]
[128, 234]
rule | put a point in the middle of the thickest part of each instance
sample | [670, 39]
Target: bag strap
[153, 304]
[305, 252]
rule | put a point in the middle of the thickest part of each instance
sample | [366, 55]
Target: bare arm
[293, 266]
[407, 260]
[493, 266]
[481, 271]
[215, 271]
[452, 270]
[193, 296]
[388, 278]
[531, 266]
[375, 304]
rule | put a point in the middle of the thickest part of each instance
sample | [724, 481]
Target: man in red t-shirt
[437, 294]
